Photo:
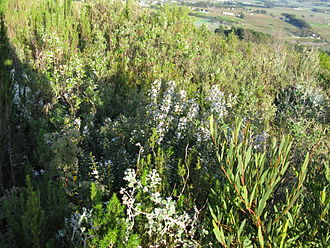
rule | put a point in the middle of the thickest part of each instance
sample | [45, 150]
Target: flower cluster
[79, 224]
[217, 102]
[165, 224]
[172, 112]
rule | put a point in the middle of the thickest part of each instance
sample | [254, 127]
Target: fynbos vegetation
[123, 126]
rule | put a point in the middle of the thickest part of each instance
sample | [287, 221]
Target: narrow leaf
[260, 237]
[263, 201]
[241, 229]
[219, 233]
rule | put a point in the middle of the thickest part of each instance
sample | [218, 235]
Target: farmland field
[268, 20]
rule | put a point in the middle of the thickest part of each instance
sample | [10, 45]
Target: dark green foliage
[33, 218]
[34, 215]
[260, 11]
[245, 34]
[292, 19]
[5, 103]
[109, 224]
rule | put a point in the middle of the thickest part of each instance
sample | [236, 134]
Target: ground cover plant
[124, 126]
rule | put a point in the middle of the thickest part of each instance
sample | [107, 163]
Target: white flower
[217, 102]
[95, 173]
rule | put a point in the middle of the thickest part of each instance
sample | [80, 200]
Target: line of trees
[293, 20]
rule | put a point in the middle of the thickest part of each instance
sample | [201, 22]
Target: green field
[271, 22]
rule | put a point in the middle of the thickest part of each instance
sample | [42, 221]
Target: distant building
[204, 11]
[228, 13]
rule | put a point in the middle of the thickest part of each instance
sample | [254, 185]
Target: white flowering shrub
[171, 111]
[175, 115]
[79, 225]
[163, 225]
[172, 117]
[302, 102]
[303, 111]
[171, 125]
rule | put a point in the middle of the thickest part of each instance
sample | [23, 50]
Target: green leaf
[304, 170]
[252, 195]
[212, 214]
[248, 156]
[284, 168]
[245, 194]
[219, 233]
[240, 230]
[284, 234]
[327, 171]
[263, 176]
[290, 218]
[263, 201]
[240, 164]
[8, 62]
[260, 237]
[247, 243]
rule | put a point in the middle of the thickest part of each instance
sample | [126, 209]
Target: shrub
[258, 201]
[34, 216]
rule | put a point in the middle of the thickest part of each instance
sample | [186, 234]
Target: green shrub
[259, 198]
[34, 215]
[105, 225]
